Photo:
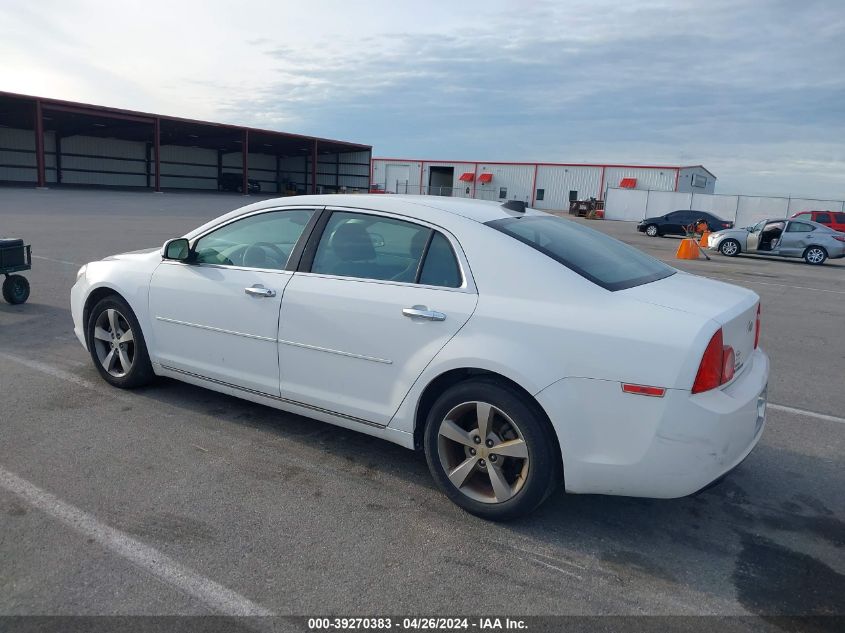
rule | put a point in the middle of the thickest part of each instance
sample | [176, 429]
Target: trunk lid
[732, 307]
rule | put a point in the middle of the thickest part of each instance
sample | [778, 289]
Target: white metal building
[542, 185]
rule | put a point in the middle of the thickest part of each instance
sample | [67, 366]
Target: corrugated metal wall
[686, 178]
[556, 183]
[188, 167]
[648, 178]
[510, 182]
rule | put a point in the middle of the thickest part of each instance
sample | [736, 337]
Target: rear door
[795, 238]
[674, 223]
[375, 299]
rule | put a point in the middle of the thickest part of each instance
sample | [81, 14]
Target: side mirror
[177, 249]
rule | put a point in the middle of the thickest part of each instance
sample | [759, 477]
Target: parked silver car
[812, 241]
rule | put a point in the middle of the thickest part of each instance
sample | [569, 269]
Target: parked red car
[833, 219]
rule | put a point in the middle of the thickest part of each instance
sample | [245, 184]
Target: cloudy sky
[752, 89]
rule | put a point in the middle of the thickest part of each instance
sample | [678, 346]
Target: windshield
[603, 260]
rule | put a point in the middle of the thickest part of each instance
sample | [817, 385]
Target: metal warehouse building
[541, 185]
[48, 142]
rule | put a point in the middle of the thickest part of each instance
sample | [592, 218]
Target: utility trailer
[15, 257]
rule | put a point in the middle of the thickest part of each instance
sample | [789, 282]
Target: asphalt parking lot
[292, 516]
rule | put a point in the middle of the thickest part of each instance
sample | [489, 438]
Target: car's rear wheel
[652, 231]
[490, 449]
[729, 248]
[117, 344]
[815, 255]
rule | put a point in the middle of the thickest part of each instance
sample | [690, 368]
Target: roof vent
[514, 205]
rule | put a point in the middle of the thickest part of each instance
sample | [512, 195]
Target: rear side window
[375, 247]
[799, 227]
[823, 218]
[440, 267]
[603, 260]
[840, 218]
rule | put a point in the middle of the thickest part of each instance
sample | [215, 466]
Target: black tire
[652, 230]
[543, 461]
[815, 255]
[730, 248]
[15, 289]
[141, 370]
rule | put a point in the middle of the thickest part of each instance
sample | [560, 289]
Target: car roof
[430, 208]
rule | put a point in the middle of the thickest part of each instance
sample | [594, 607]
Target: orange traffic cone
[687, 249]
[704, 235]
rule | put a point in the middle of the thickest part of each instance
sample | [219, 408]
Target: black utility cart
[15, 256]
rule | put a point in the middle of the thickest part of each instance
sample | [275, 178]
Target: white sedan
[518, 349]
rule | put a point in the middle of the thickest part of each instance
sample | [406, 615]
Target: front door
[378, 301]
[217, 316]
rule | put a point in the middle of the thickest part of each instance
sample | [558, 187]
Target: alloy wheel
[651, 230]
[815, 256]
[114, 343]
[483, 452]
[729, 248]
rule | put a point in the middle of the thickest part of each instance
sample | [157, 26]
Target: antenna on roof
[514, 205]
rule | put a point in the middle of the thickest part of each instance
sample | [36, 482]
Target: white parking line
[212, 594]
[769, 283]
[809, 414]
[50, 370]
[58, 261]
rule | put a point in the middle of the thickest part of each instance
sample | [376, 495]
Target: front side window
[264, 240]
[823, 218]
[840, 218]
[601, 259]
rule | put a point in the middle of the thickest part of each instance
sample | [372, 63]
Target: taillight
[717, 365]
[757, 329]
[839, 238]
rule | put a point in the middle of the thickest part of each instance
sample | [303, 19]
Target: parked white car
[516, 348]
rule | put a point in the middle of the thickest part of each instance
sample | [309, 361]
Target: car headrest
[351, 243]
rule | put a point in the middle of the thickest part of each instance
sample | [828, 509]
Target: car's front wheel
[490, 449]
[729, 248]
[117, 344]
[815, 255]
[652, 231]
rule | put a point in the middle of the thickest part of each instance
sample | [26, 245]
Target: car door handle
[259, 291]
[421, 312]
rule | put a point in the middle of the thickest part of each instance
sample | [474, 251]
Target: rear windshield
[593, 255]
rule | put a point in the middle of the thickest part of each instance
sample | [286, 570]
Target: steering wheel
[276, 250]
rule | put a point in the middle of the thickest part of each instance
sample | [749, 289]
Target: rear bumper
[622, 444]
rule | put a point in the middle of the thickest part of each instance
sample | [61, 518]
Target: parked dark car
[235, 182]
[674, 223]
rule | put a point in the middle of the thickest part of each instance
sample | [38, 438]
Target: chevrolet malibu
[517, 349]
